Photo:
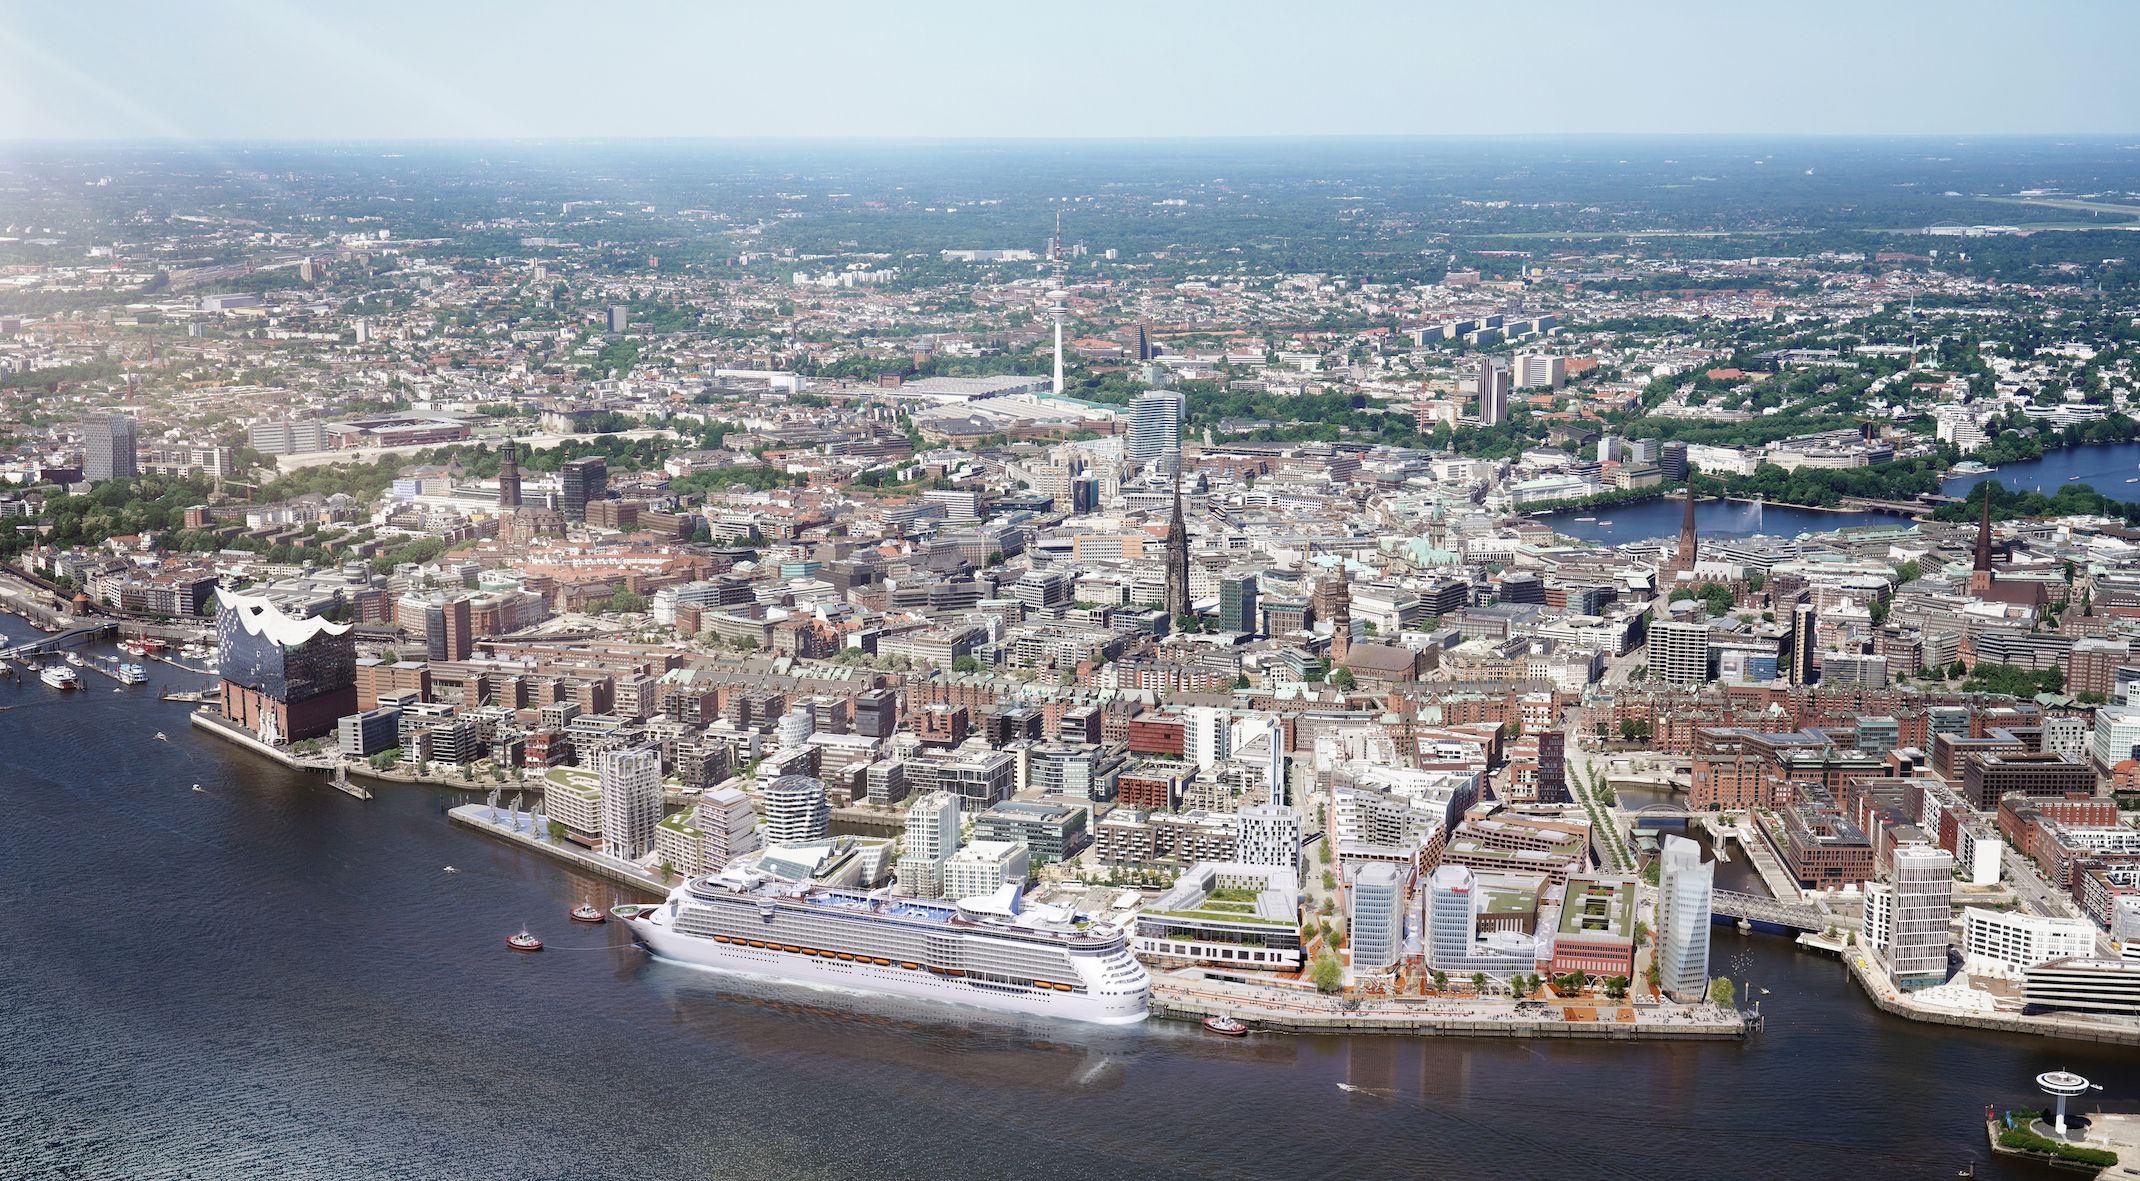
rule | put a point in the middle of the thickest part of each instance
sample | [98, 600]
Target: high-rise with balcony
[1270, 836]
[796, 810]
[1906, 917]
[932, 836]
[1685, 897]
[631, 800]
[1679, 652]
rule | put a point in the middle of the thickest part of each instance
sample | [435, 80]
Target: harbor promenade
[1888, 999]
[532, 832]
[1191, 997]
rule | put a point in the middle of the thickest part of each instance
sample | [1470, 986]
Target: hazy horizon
[961, 71]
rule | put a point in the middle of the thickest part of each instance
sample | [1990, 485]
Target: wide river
[2112, 469]
[266, 978]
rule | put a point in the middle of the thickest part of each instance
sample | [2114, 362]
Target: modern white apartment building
[983, 867]
[932, 836]
[2006, 943]
[722, 827]
[2117, 733]
[1685, 898]
[1540, 371]
[631, 800]
[1906, 917]
[1270, 836]
[795, 810]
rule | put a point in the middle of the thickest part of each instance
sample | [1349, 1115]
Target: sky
[930, 69]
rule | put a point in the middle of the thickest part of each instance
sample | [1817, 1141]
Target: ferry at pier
[990, 952]
[59, 676]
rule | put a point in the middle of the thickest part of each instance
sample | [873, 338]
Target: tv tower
[1057, 308]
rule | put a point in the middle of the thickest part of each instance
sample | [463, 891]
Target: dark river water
[2113, 470]
[266, 978]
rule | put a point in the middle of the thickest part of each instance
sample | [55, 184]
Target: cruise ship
[989, 952]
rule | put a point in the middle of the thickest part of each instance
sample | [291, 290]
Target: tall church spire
[1177, 556]
[1689, 545]
[1980, 575]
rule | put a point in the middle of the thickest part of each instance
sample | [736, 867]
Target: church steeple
[1689, 545]
[1177, 557]
[1980, 574]
[509, 475]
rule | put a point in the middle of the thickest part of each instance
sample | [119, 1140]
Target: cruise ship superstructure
[990, 951]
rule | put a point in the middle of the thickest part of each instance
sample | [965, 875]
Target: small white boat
[160, 737]
[1604, 524]
[450, 869]
[197, 787]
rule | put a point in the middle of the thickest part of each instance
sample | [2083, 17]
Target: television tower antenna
[1058, 308]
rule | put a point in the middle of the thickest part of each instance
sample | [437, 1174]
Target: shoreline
[2062, 1028]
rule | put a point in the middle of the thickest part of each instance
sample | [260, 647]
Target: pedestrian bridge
[1796, 916]
[66, 639]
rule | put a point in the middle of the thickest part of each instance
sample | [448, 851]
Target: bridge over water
[1795, 916]
[74, 638]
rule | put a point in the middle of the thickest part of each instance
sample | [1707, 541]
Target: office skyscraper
[1493, 391]
[585, 481]
[631, 800]
[1155, 420]
[1685, 895]
[108, 448]
[1679, 652]
[1237, 604]
[619, 317]
[1377, 922]
[1805, 643]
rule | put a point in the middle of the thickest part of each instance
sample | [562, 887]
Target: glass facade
[324, 664]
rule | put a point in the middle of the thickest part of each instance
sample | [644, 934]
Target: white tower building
[1270, 836]
[795, 810]
[1685, 897]
[932, 836]
[631, 800]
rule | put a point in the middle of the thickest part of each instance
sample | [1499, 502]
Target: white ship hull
[1046, 965]
[892, 981]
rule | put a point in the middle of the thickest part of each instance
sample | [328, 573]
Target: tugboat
[586, 913]
[523, 941]
[1226, 1026]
